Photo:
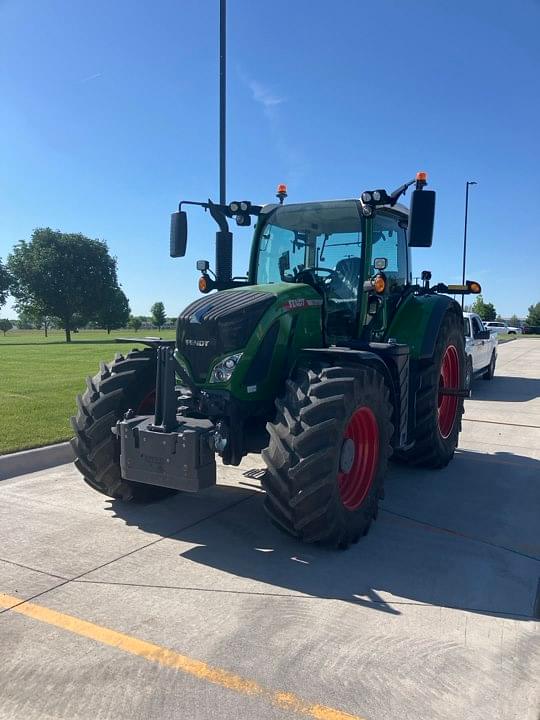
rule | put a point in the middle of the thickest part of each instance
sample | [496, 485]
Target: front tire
[328, 453]
[128, 382]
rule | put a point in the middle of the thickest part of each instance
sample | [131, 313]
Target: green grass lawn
[506, 337]
[39, 379]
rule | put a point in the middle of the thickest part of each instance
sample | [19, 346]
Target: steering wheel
[311, 274]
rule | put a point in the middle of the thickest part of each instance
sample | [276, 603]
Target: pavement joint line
[27, 567]
[171, 659]
[469, 446]
[461, 535]
[291, 596]
[495, 422]
[135, 550]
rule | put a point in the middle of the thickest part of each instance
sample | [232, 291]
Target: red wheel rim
[354, 485]
[449, 379]
[147, 404]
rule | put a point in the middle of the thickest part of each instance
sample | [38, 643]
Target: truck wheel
[328, 453]
[490, 370]
[128, 382]
[438, 416]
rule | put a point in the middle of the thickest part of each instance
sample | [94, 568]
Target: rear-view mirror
[421, 218]
[178, 234]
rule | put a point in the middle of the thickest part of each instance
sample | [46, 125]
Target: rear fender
[418, 320]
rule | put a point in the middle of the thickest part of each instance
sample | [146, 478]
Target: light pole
[469, 182]
[222, 99]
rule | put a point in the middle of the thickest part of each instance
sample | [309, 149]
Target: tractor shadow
[464, 537]
[505, 388]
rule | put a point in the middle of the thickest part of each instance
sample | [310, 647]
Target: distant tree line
[486, 311]
[68, 281]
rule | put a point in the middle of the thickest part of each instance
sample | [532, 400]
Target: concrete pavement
[431, 616]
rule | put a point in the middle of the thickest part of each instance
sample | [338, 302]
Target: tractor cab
[335, 248]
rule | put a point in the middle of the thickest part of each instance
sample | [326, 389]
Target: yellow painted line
[171, 659]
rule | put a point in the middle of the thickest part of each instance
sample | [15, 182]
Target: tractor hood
[224, 322]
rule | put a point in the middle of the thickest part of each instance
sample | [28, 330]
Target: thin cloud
[263, 95]
[287, 154]
[91, 77]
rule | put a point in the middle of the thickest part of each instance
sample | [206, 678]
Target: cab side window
[476, 326]
[389, 242]
[467, 327]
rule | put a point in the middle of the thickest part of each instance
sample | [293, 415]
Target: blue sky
[109, 116]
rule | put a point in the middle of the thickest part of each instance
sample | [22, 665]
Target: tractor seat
[344, 284]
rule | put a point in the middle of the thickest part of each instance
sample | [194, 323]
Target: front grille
[219, 323]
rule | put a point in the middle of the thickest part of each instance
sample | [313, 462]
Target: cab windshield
[323, 237]
[319, 244]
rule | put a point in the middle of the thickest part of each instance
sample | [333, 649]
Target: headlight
[223, 370]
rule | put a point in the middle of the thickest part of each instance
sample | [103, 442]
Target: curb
[28, 461]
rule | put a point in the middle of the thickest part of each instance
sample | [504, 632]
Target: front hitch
[167, 450]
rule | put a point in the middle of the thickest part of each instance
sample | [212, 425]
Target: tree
[4, 283]
[5, 325]
[485, 310]
[68, 275]
[135, 323]
[533, 318]
[114, 313]
[33, 316]
[514, 321]
[158, 314]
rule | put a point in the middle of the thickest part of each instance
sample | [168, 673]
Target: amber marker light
[281, 192]
[204, 285]
[474, 287]
[422, 176]
[379, 284]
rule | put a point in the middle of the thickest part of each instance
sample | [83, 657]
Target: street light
[222, 100]
[469, 182]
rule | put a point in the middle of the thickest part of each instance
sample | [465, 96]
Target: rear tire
[126, 383]
[438, 417]
[490, 370]
[328, 453]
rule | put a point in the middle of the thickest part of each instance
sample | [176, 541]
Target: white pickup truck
[498, 326]
[480, 349]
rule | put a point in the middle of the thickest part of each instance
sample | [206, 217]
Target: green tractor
[325, 357]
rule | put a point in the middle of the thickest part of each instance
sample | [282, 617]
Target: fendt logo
[196, 343]
[300, 303]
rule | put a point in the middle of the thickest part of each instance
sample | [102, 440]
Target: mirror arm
[401, 190]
